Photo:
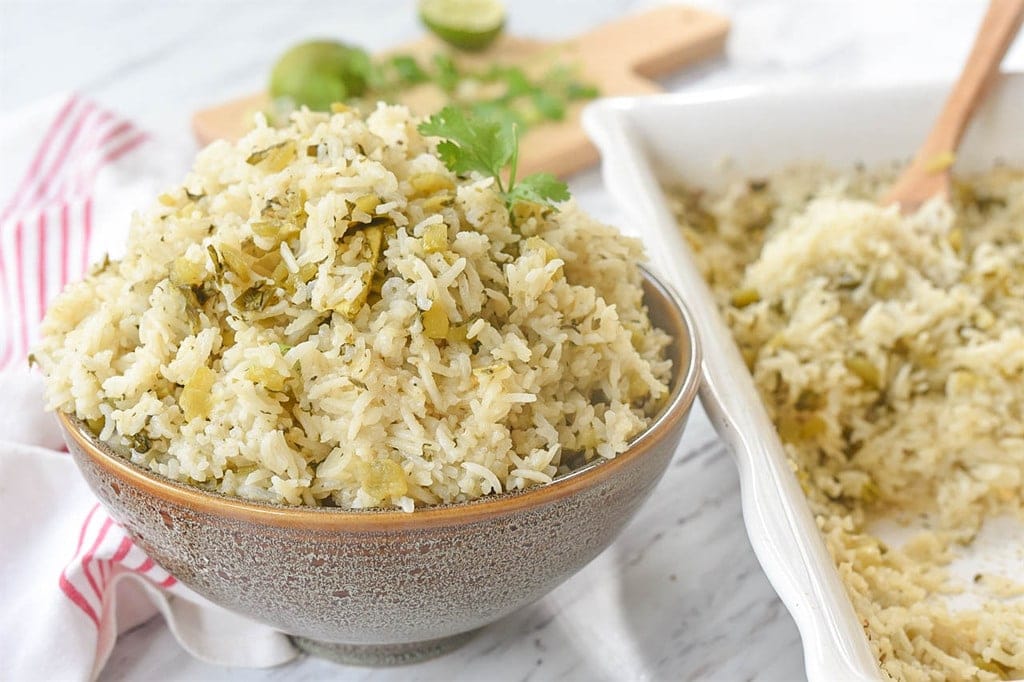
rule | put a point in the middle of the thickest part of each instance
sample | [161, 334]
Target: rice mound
[889, 351]
[323, 314]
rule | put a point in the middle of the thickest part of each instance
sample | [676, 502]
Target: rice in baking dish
[890, 353]
[324, 314]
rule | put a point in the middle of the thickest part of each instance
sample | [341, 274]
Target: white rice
[890, 353]
[288, 379]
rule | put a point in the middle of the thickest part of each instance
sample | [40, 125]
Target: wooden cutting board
[619, 58]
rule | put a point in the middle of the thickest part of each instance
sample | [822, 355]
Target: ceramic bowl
[385, 587]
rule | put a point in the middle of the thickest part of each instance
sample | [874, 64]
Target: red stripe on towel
[114, 132]
[72, 592]
[67, 186]
[90, 555]
[63, 154]
[127, 146]
[19, 266]
[41, 263]
[6, 337]
[77, 599]
[65, 238]
[83, 184]
[122, 550]
[87, 232]
[85, 525]
[33, 170]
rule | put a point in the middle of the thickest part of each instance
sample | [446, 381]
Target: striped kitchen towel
[71, 579]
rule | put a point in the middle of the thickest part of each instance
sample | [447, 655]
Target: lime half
[465, 24]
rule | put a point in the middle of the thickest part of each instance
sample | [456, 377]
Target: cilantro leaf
[540, 188]
[471, 144]
[496, 111]
[549, 106]
[447, 77]
[516, 82]
[409, 70]
[487, 145]
[581, 91]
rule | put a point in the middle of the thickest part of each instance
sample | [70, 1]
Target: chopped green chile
[760, 210]
[273, 158]
[373, 236]
[539, 244]
[691, 209]
[193, 308]
[256, 298]
[267, 377]
[308, 271]
[383, 478]
[793, 429]
[425, 184]
[809, 400]
[235, 261]
[195, 399]
[102, 266]
[741, 298]
[96, 425]
[435, 238]
[435, 322]
[847, 281]
[367, 203]
[186, 273]
[282, 218]
[215, 260]
[524, 210]
[870, 492]
[267, 265]
[865, 370]
[436, 202]
[202, 292]
[140, 443]
[458, 333]
[273, 228]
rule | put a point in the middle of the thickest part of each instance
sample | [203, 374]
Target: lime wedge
[465, 24]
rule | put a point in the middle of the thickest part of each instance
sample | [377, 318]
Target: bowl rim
[457, 513]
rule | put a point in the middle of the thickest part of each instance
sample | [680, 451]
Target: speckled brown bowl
[385, 587]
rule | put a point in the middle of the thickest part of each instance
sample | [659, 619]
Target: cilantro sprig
[488, 146]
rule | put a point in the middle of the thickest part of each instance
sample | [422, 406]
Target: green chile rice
[889, 351]
[324, 314]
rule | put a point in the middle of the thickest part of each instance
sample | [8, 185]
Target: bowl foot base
[381, 654]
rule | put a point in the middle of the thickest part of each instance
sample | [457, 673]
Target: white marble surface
[680, 594]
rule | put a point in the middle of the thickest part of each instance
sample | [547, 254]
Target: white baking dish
[679, 137]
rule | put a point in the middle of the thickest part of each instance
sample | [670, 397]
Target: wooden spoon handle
[1000, 25]
[927, 175]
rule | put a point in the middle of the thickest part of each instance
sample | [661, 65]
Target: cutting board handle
[649, 44]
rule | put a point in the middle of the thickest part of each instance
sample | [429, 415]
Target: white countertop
[680, 594]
